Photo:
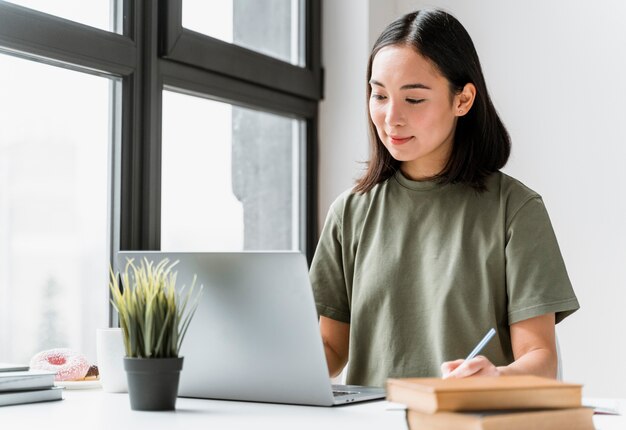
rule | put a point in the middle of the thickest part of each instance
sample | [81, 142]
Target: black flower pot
[153, 382]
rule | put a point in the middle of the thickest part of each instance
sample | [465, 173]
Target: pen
[481, 344]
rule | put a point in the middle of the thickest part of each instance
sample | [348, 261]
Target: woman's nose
[394, 116]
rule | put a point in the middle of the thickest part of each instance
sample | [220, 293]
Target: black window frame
[189, 47]
[150, 55]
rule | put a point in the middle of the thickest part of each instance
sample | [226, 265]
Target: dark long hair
[481, 143]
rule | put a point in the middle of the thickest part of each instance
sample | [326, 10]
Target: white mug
[110, 355]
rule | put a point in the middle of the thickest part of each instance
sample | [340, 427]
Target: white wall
[555, 73]
[349, 28]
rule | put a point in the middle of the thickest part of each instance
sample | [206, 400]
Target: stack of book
[491, 403]
[20, 385]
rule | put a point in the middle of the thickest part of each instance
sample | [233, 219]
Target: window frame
[190, 47]
[147, 62]
[54, 40]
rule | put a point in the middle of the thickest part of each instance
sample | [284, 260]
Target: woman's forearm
[334, 361]
[540, 362]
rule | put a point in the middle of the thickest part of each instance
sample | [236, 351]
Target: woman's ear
[464, 100]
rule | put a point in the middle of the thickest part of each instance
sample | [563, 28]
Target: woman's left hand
[477, 366]
[534, 350]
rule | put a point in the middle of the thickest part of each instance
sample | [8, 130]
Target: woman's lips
[399, 140]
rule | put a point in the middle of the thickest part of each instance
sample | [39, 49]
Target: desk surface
[96, 410]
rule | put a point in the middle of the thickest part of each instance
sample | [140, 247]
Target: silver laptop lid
[255, 334]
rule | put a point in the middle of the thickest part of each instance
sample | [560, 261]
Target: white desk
[96, 410]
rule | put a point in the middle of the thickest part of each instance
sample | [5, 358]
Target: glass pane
[95, 13]
[231, 177]
[54, 146]
[271, 27]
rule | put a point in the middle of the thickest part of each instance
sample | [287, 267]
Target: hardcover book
[431, 395]
[550, 419]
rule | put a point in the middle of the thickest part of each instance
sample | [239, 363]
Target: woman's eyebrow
[403, 87]
[412, 86]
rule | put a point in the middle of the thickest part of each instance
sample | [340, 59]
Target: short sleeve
[327, 272]
[537, 280]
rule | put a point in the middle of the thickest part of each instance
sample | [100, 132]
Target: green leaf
[152, 312]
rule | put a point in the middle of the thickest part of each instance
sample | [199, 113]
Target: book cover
[26, 380]
[32, 396]
[431, 395]
[551, 419]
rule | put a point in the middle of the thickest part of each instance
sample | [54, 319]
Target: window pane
[271, 27]
[231, 177]
[54, 145]
[95, 13]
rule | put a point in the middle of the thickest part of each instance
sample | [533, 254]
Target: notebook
[255, 335]
[13, 367]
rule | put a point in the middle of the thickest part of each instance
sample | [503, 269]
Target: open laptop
[255, 335]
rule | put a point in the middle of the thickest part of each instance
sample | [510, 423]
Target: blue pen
[481, 344]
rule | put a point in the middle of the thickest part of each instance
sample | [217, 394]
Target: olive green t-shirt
[421, 271]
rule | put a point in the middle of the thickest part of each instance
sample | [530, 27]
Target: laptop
[255, 334]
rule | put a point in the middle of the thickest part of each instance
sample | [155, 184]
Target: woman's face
[413, 110]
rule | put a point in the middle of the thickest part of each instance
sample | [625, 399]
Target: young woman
[434, 245]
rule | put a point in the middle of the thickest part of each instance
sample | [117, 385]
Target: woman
[435, 245]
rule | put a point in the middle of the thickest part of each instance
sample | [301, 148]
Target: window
[105, 107]
[232, 177]
[267, 94]
[54, 146]
[271, 27]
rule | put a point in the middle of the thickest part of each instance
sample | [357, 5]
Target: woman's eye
[378, 97]
[414, 101]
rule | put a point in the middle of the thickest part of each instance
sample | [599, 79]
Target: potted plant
[154, 317]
